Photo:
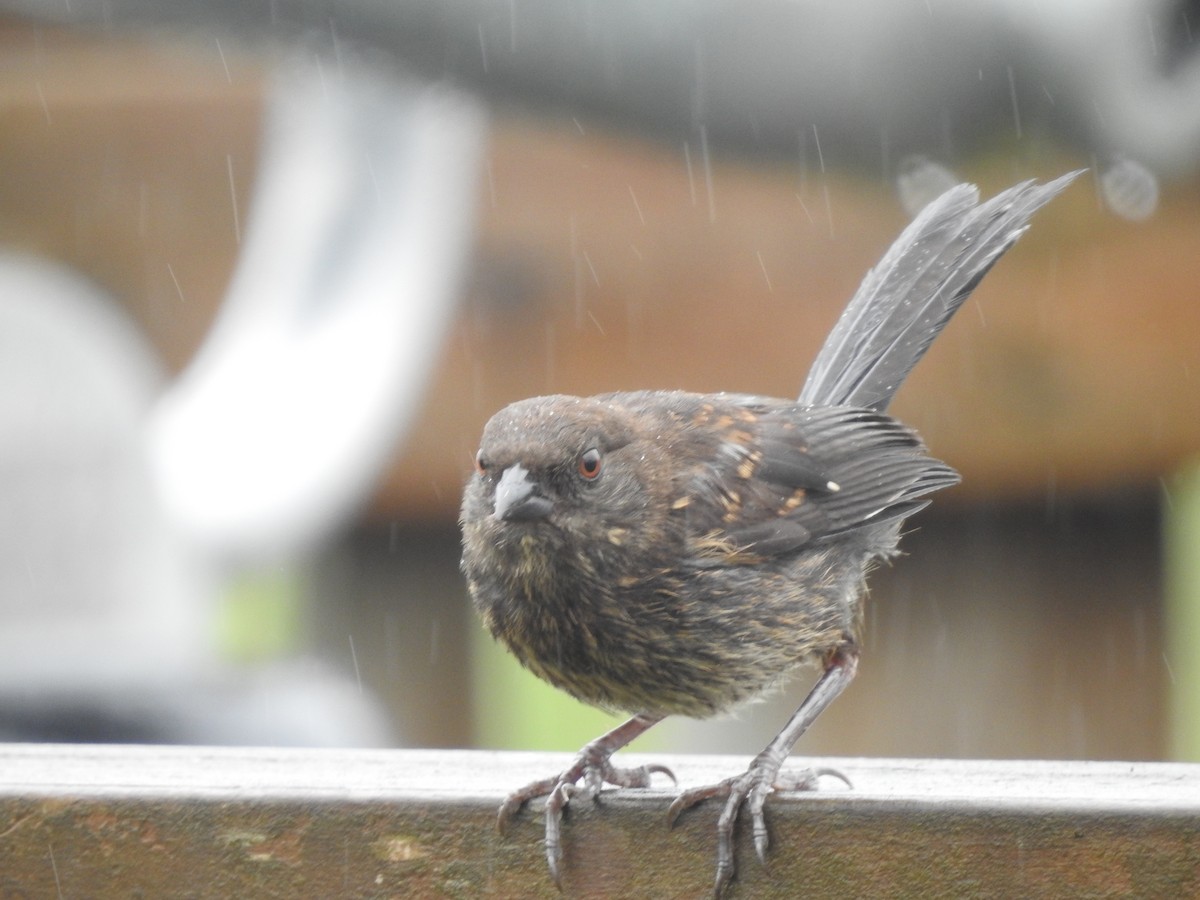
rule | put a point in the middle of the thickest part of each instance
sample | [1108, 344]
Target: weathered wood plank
[84, 821]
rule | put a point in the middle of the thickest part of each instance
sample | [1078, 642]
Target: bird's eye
[481, 463]
[589, 464]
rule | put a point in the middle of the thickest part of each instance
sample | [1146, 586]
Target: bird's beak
[518, 498]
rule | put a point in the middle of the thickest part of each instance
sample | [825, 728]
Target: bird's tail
[906, 300]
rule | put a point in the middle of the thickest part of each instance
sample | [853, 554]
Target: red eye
[589, 464]
[481, 464]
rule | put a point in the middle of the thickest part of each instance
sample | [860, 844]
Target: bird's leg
[592, 767]
[762, 777]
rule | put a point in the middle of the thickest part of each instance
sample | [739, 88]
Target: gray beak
[517, 497]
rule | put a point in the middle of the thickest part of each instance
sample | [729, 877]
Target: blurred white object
[107, 613]
[291, 703]
[1129, 189]
[97, 591]
[346, 283]
[1127, 70]
[920, 180]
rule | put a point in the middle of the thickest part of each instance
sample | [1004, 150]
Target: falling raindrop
[824, 181]
[491, 182]
[1130, 190]
[1016, 108]
[1168, 669]
[591, 268]
[706, 161]
[54, 869]
[175, 281]
[577, 267]
[920, 180]
[766, 277]
[354, 659]
[483, 49]
[237, 225]
[804, 207]
[637, 206]
[691, 176]
[143, 209]
[224, 62]
[42, 99]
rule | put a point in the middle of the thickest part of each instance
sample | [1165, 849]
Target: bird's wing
[782, 477]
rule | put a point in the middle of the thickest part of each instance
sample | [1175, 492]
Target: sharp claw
[809, 779]
[508, 809]
[724, 874]
[662, 770]
[552, 864]
[552, 848]
[832, 773]
[726, 866]
[749, 791]
[636, 778]
[517, 799]
[555, 804]
[585, 778]
[673, 811]
[688, 799]
[761, 839]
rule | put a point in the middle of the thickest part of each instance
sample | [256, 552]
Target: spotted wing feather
[794, 477]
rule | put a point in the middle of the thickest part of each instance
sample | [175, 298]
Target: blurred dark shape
[860, 83]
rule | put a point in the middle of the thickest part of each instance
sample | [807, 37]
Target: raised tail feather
[907, 299]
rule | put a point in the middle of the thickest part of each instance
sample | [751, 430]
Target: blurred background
[265, 273]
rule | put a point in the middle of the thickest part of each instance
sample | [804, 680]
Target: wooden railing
[165, 822]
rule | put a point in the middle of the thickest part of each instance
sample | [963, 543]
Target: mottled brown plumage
[665, 553]
[674, 582]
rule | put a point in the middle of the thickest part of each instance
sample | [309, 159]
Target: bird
[663, 552]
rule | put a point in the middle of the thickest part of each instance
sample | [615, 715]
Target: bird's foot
[749, 790]
[586, 776]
